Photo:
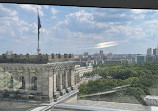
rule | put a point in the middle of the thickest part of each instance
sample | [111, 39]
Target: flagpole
[38, 50]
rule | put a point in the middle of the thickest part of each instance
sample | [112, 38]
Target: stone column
[72, 77]
[75, 80]
[27, 80]
[39, 81]
[63, 79]
[78, 79]
[56, 84]
[66, 79]
[15, 80]
[51, 85]
[57, 81]
[69, 78]
[45, 82]
[50, 88]
[54, 81]
[60, 82]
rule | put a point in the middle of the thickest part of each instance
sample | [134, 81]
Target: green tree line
[141, 77]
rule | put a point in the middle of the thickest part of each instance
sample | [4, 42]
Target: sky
[76, 30]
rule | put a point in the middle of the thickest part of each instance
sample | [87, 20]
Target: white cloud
[81, 21]
[14, 31]
[137, 11]
[32, 8]
[82, 24]
[141, 11]
[5, 12]
[81, 16]
[9, 20]
[46, 6]
[54, 11]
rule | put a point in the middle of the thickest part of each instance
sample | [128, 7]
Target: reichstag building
[37, 77]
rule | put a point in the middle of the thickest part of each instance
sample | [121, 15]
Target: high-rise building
[149, 51]
[85, 54]
[101, 52]
[140, 58]
[154, 51]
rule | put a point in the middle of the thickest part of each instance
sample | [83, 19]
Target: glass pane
[108, 56]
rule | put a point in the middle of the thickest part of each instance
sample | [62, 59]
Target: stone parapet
[23, 96]
[41, 58]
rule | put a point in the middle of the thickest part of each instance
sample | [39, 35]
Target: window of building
[34, 83]
[11, 82]
[22, 80]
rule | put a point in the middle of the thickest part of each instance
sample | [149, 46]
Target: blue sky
[77, 29]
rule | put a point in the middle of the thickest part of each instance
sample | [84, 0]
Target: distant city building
[113, 61]
[155, 51]
[76, 56]
[109, 56]
[80, 69]
[101, 52]
[95, 77]
[92, 61]
[155, 58]
[85, 55]
[9, 52]
[150, 58]
[149, 51]
[140, 58]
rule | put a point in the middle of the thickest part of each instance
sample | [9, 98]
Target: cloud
[112, 15]
[46, 6]
[81, 29]
[84, 28]
[5, 12]
[32, 8]
[143, 11]
[54, 11]
[14, 31]
[81, 21]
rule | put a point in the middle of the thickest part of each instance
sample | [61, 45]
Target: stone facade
[37, 81]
